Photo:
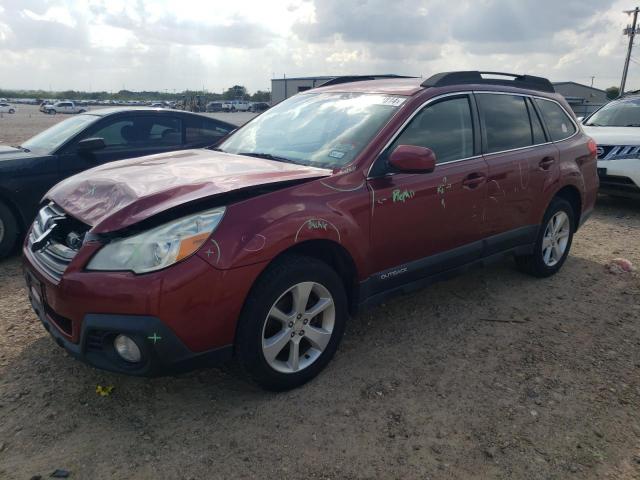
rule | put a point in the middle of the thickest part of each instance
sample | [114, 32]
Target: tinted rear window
[558, 122]
[506, 122]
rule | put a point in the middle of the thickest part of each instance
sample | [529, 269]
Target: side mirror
[91, 145]
[580, 119]
[411, 158]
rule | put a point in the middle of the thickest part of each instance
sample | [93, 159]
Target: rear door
[200, 131]
[423, 223]
[520, 160]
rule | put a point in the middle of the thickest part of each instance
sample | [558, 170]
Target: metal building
[583, 99]
[282, 88]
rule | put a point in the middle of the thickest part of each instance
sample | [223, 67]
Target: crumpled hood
[119, 194]
[614, 135]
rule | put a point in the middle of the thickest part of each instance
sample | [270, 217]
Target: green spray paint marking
[317, 225]
[155, 337]
[402, 196]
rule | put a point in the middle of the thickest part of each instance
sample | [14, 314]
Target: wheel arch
[333, 254]
[571, 194]
[20, 219]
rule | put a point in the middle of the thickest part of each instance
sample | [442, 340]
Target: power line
[631, 32]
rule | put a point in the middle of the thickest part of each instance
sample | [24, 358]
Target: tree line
[237, 92]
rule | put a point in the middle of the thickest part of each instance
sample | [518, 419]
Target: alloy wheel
[556, 238]
[298, 327]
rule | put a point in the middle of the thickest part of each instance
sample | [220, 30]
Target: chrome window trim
[470, 92]
[408, 120]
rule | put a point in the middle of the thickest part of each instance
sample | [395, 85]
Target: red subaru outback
[334, 199]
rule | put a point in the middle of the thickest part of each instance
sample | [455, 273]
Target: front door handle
[474, 180]
[546, 162]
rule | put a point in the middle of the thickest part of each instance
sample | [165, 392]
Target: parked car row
[261, 247]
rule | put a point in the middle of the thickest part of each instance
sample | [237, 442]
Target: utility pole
[631, 32]
[592, 78]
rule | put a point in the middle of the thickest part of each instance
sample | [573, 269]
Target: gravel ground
[489, 375]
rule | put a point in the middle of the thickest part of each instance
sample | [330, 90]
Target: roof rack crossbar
[359, 78]
[476, 77]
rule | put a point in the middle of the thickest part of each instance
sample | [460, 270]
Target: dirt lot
[490, 375]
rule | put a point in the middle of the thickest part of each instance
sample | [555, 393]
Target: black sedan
[84, 141]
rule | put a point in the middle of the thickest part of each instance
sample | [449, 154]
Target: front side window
[506, 122]
[556, 119]
[140, 132]
[621, 113]
[326, 130]
[444, 127]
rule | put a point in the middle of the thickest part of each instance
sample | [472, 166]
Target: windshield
[55, 136]
[326, 130]
[623, 113]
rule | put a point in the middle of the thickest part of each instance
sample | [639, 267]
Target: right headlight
[159, 247]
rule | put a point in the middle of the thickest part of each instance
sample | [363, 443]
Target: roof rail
[514, 80]
[358, 78]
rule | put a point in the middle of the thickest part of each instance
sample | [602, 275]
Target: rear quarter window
[558, 122]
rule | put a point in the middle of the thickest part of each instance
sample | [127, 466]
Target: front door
[425, 223]
[124, 137]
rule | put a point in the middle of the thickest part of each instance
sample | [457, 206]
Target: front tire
[553, 241]
[12, 111]
[8, 231]
[292, 323]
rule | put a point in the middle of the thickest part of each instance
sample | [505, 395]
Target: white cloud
[179, 44]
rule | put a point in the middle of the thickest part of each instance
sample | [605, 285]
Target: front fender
[261, 228]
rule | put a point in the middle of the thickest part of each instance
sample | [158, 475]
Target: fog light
[127, 349]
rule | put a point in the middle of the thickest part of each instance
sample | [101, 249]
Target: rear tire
[12, 111]
[271, 343]
[553, 241]
[8, 231]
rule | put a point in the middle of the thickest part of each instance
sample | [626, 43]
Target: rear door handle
[546, 162]
[474, 180]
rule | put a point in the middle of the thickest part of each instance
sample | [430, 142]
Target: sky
[209, 44]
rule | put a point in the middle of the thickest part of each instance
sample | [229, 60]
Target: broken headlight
[159, 247]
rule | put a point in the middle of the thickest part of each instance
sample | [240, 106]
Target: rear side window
[558, 122]
[444, 127]
[203, 130]
[506, 122]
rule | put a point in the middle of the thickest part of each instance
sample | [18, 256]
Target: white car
[7, 108]
[616, 130]
[235, 106]
[63, 107]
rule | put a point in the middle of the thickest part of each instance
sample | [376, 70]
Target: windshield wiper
[633, 125]
[20, 147]
[268, 156]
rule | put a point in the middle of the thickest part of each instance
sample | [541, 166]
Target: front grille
[54, 257]
[618, 152]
